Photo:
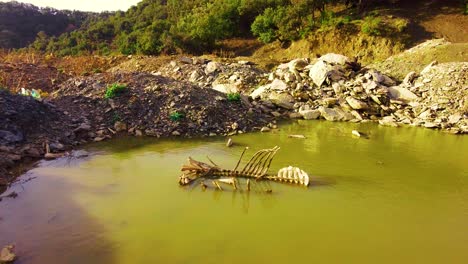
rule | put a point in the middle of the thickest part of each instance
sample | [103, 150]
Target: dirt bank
[149, 105]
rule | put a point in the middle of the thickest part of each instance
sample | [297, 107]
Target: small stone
[297, 136]
[330, 101]
[356, 133]
[186, 60]
[275, 114]
[7, 255]
[120, 126]
[99, 139]
[138, 133]
[310, 114]
[265, 129]
[330, 114]
[388, 121]
[428, 67]
[430, 125]
[410, 78]
[295, 115]
[235, 126]
[356, 104]
[176, 133]
[83, 128]
[453, 119]
[402, 94]
[212, 67]
[56, 147]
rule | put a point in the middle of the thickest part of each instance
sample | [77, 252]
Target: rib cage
[257, 167]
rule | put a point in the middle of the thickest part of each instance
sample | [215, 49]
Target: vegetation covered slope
[162, 26]
[20, 23]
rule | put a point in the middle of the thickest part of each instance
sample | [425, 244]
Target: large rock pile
[335, 88]
[156, 106]
[224, 77]
[26, 125]
[442, 90]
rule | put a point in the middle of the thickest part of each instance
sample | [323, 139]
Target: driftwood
[256, 168]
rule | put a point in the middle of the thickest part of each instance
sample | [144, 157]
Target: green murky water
[400, 196]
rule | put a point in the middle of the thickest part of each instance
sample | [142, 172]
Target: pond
[398, 195]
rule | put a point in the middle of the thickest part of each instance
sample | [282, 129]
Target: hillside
[20, 23]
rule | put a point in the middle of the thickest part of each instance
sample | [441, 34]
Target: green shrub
[176, 116]
[115, 90]
[283, 23]
[400, 24]
[371, 26]
[264, 26]
[233, 97]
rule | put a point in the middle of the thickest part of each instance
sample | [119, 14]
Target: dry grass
[72, 65]
[46, 71]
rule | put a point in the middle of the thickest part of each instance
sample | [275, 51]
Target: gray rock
[333, 58]
[260, 92]
[431, 125]
[225, 88]
[428, 68]
[329, 101]
[310, 114]
[265, 129]
[402, 94]
[282, 100]
[382, 78]
[319, 72]
[212, 67]
[356, 104]
[330, 114]
[120, 126]
[455, 118]
[297, 65]
[356, 133]
[388, 121]
[7, 137]
[186, 60]
[195, 76]
[7, 255]
[54, 147]
[295, 115]
[410, 78]
[84, 127]
[278, 85]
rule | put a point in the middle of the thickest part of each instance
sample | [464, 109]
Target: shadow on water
[124, 145]
[56, 231]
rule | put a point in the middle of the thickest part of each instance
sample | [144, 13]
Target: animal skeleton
[256, 168]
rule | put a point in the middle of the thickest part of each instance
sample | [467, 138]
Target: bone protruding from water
[230, 181]
[293, 175]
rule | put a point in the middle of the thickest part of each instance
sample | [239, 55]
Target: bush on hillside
[371, 26]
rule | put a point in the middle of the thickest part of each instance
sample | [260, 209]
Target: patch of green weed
[233, 97]
[114, 90]
[176, 116]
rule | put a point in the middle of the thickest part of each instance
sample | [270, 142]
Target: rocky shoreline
[196, 97]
